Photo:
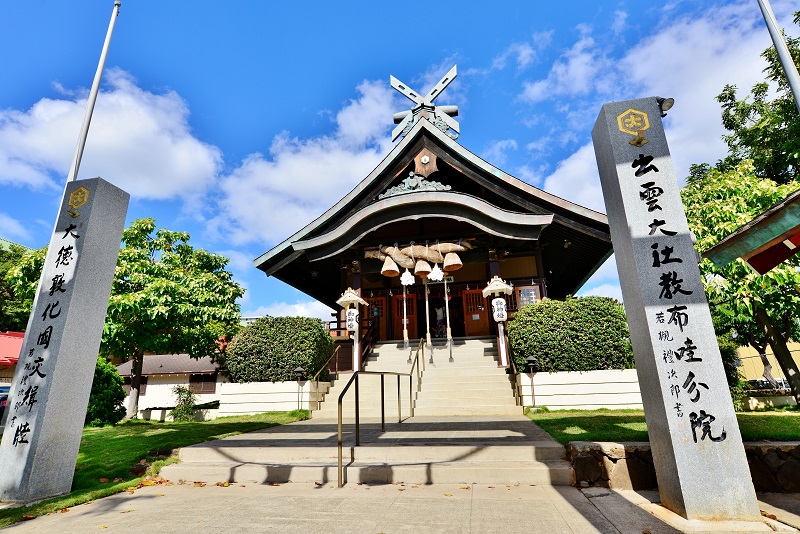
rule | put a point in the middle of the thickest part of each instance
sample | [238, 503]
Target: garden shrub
[271, 348]
[728, 350]
[577, 334]
[184, 405]
[106, 401]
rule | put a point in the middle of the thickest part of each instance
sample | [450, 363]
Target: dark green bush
[736, 384]
[270, 349]
[107, 397]
[578, 334]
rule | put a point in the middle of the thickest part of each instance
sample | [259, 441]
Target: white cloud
[268, 198]
[576, 73]
[308, 308]
[576, 179]
[140, 141]
[497, 151]
[11, 228]
[522, 54]
[704, 53]
[603, 290]
[620, 18]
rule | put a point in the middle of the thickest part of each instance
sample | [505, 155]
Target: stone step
[467, 409]
[552, 472]
[483, 393]
[465, 452]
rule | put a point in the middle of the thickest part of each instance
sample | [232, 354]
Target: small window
[205, 383]
[126, 385]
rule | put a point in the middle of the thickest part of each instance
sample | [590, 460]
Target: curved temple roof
[576, 240]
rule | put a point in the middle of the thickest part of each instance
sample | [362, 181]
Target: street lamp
[496, 288]
[532, 365]
[300, 374]
[350, 300]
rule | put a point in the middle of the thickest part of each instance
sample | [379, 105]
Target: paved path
[388, 509]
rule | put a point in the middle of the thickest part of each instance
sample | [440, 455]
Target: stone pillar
[697, 448]
[48, 399]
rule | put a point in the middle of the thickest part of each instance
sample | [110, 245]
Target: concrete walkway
[392, 508]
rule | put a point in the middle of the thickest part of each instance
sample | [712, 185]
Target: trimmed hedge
[270, 349]
[577, 334]
[728, 349]
[106, 401]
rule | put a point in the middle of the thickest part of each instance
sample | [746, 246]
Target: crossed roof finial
[440, 116]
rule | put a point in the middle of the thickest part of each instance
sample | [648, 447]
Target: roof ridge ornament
[413, 183]
[440, 116]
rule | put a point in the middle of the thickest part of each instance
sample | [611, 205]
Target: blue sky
[240, 121]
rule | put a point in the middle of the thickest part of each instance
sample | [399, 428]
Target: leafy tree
[14, 310]
[760, 309]
[271, 348]
[106, 402]
[765, 131]
[578, 334]
[166, 298]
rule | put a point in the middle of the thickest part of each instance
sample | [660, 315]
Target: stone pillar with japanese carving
[50, 393]
[697, 448]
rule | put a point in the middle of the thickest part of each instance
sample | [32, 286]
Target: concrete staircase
[466, 429]
[470, 384]
[423, 450]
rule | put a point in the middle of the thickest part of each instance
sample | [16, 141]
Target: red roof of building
[10, 347]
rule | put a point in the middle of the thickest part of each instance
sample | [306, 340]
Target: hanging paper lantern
[422, 269]
[452, 262]
[390, 268]
[437, 275]
[407, 279]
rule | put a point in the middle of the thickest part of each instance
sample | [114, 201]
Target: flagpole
[783, 51]
[87, 119]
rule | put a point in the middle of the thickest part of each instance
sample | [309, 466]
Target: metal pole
[405, 320]
[399, 409]
[383, 411]
[340, 483]
[87, 119]
[502, 341]
[410, 396]
[427, 318]
[358, 429]
[447, 316]
[784, 55]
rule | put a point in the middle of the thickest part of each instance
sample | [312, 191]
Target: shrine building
[432, 206]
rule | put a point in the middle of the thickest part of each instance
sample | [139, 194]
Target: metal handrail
[354, 378]
[325, 366]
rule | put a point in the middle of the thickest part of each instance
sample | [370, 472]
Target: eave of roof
[765, 230]
[170, 364]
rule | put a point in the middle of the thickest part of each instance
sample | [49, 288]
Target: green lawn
[109, 453]
[629, 425]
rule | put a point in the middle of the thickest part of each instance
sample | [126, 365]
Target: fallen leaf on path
[199, 484]
[464, 487]
[448, 494]
[102, 526]
[273, 484]
[64, 510]
[223, 484]
[401, 489]
[127, 511]
[28, 517]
